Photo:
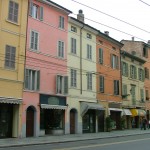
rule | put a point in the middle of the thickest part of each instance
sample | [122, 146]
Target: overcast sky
[134, 12]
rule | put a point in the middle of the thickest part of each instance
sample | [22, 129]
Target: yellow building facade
[13, 23]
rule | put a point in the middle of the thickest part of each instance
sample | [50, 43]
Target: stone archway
[30, 121]
[73, 121]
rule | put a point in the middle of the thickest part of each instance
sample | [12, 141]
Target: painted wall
[11, 81]
[105, 70]
[46, 59]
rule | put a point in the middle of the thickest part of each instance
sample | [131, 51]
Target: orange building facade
[109, 77]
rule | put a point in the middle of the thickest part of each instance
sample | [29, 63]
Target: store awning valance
[10, 100]
[114, 109]
[46, 106]
[137, 112]
[127, 112]
[85, 106]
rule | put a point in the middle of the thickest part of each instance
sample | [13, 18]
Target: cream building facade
[82, 102]
[13, 21]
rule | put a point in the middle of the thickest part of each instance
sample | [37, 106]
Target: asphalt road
[138, 142]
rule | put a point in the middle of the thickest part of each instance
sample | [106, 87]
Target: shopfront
[90, 113]
[9, 113]
[126, 114]
[52, 114]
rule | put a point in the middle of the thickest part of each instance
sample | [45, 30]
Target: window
[36, 11]
[61, 84]
[116, 87]
[89, 81]
[145, 52]
[60, 49]
[124, 91]
[101, 78]
[100, 55]
[141, 74]
[124, 69]
[114, 61]
[73, 45]
[61, 22]
[32, 79]
[10, 55]
[73, 29]
[146, 73]
[34, 39]
[13, 11]
[73, 78]
[89, 36]
[133, 72]
[142, 95]
[89, 52]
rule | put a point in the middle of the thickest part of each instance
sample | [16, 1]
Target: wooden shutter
[30, 8]
[135, 72]
[117, 62]
[100, 55]
[101, 78]
[126, 69]
[41, 13]
[38, 80]
[26, 79]
[57, 83]
[111, 60]
[65, 84]
[139, 72]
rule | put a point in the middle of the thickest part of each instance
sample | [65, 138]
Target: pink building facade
[45, 84]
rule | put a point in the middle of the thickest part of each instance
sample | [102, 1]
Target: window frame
[116, 87]
[35, 45]
[89, 81]
[61, 49]
[89, 51]
[101, 83]
[61, 22]
[73, 78]
[11, 14]
[73, 46]
[29, 79]
[10, 57]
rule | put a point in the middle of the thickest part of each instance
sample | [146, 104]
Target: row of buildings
[59, 75]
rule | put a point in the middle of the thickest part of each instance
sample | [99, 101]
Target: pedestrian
[141, 124]
[144, 122]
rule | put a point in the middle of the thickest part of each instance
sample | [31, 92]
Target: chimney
[106, 32]
[80, 16]
[132, 38]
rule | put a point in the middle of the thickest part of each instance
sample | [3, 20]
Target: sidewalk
[68, 138]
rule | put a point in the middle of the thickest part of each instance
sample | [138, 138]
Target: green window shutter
[41, 13]
[135, 73]
[30, 8]
[139, 72]
[143, 75]
[101, 56]
[65, 84]
[142, 94]
[122, 67]
[111, 60]
[38, 80]
[117, 62]
[126, 69]
[131, 72]
[26, 80]
[101, 84]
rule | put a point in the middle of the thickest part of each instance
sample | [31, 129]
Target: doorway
[30, 122]
[73, 121]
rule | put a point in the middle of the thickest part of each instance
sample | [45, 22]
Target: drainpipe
[81, 59]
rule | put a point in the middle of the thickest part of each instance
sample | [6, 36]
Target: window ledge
[15, 23]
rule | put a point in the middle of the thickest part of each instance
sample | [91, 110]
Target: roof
[133, 56]
[99, 32]
[57, 6]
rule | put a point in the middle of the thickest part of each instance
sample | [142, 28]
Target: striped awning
[10, 100]
[127, 112]
[85, 106]
[47, 106]
[138, 112]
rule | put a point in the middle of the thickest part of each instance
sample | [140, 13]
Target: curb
[64, 141]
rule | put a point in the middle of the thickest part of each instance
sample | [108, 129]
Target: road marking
[100, 145]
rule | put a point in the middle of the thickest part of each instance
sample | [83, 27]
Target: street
[137, 142]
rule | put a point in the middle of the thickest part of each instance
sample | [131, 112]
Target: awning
[138, 112]
[141, 112]
[10, 100]
[114, 109]
[85, 106]
[127, 112]
[46, 106]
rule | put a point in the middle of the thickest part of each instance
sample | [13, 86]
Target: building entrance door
[72, 121]
[30, 122]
